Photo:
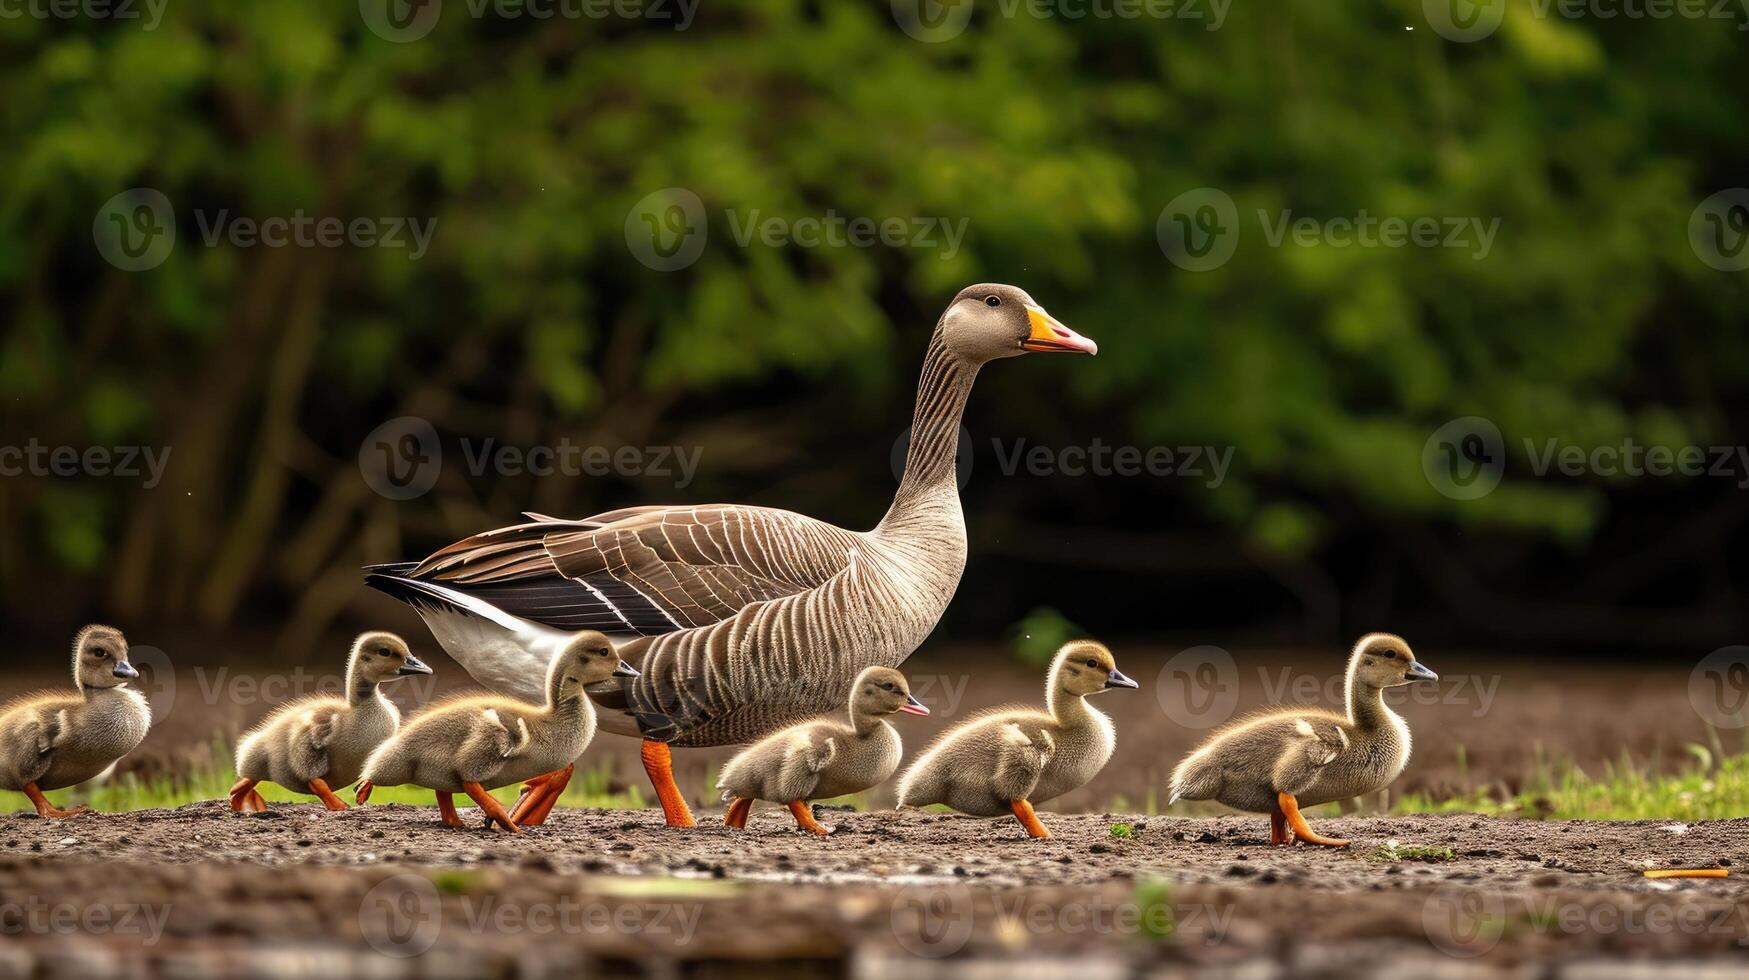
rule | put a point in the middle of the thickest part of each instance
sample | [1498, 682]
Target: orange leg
[1278, 832]
[326, 795]
[446, 806]
[738, 813]
[46, 809]
[364, 790]
[539, 797]
[1029, 819]
[491, 807]
[245, 799]
[804, 815]
[659, 764]
[1291, 808]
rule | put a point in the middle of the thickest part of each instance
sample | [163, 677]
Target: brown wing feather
[696, 565]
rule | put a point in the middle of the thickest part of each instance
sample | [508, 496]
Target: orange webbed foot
[48, 810]
[326, 795]
[739, 811]
[804, 815]
[495, 812]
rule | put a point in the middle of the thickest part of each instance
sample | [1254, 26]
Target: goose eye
[1093, 663]
[993, 301]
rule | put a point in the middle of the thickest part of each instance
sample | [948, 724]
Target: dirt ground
[388, 892]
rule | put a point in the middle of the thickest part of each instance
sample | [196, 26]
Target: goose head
[588, 658]
[1085, 667]
[1384, 660]
[381, 657]
[990, 321]
[100, 659]
[883, 691]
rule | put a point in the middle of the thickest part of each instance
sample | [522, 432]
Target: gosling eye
[992, 301]
[1093, 663]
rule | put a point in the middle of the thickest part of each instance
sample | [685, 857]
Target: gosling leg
[326, 795]
[244, 797]
[1278, 832]
[804, 815]
[1290, 807]
[363, 793]
[446, 807]
[739, 810]
[1028, 819]
[534, 808]
[491, 807]
[45, 809]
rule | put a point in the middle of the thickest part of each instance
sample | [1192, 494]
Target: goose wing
[646, 570]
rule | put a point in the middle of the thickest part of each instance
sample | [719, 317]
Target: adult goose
[739, 619]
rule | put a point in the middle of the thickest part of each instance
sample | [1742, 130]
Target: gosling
[1279, 761]
[54, 739]
[825, 757]
[1005, 761]
[320, 744]
[475, 744]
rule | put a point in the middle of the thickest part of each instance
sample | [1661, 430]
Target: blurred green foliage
[1058, 140]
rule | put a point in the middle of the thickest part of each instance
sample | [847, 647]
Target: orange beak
[1049, 335]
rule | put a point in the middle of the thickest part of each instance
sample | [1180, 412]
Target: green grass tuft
[1713, 787]
[1395, 852]
[1122, 830]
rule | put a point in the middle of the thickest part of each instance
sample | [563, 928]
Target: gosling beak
[914, 706]
[1420, 673]
[1049, 335]
[1119, 679]
[625, 670]
[413, 666]
[126, 671]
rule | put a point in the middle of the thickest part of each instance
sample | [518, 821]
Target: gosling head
[1384, 660]
[382, 657]
[1086, 667]
[589, 658]
[989, 321]
[100, 659]
[883, 691]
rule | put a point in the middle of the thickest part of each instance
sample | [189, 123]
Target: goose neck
[1366, 704]
[931, 457]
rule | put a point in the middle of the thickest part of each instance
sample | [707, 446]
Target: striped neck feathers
[931, 457]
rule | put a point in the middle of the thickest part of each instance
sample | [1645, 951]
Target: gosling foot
[539, 796]
[804, 815]
[739, 810]
[46, 810]
[362, 796]
[1279, 835]
[326, 795]
[1290, 808]
[246, 799]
